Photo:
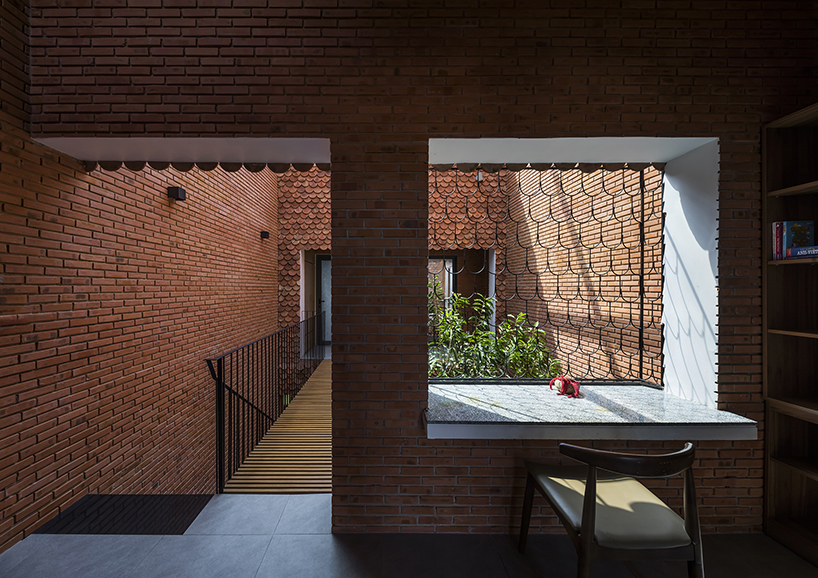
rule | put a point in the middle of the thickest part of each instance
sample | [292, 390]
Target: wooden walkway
[295, 457]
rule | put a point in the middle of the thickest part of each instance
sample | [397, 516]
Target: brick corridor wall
[379, 80]
[304, 213]
[112, 296]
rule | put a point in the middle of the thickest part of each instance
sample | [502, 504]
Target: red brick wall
[111, 298]
[304, 212]
[467, 214]
[566, 244]
[379, 81]
[573, 241]
[14, 61]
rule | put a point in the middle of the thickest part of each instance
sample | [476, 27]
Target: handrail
[254, 384]
[269, 335]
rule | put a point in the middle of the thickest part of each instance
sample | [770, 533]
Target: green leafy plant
[466, 344]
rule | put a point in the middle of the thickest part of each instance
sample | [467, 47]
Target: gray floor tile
[731, 555]
[204, 557]
[725, 556]
[441, 556]
[307, 514]
[322, 556]
[14, 555]
[752, 556]
[239, 514]
[553, 556]
[75, 556]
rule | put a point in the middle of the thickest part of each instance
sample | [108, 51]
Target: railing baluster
[252, 384]
[240, 384]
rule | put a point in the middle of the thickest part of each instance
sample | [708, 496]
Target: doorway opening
[323, 294]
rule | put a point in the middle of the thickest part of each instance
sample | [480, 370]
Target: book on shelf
[802, 252]
[789, 235]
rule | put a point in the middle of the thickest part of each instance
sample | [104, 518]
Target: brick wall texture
[568, 254]
[574, 262]
[14, 61]
[304, 214]
[112, 296]
[379, 79]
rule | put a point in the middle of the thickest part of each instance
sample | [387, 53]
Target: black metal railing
[254, 383]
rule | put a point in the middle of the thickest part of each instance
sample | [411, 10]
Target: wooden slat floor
[295, 457]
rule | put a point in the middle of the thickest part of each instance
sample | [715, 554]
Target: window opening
[442, 280]
[574, 253]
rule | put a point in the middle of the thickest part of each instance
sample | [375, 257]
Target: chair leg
[695, 567]
[528, 504]
[694, 570]
[585, 563]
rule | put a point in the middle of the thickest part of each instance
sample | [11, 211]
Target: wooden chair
[608, 514]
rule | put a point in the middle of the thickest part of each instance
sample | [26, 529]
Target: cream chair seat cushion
[628, 515]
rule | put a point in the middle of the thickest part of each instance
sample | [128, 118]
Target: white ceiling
[561, 150]
[201, 150]
[317, 150]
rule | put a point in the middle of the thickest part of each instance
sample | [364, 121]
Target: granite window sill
[477, 409]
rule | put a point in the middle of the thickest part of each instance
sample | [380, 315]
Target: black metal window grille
[576, 248]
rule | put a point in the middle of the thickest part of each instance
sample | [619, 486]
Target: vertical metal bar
[254, 386]
[288, 354]
[220, 433]
[245, 409]
[237, 412]
[287, 360]
[245, 406]
[266, 376]
[231, 425]
[268, 364]
[228, 408]
[251, 429]
[642, 275]
[271, 378]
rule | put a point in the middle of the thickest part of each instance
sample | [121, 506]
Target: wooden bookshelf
[797, 534]
[802, 408]
[806, 467]
[802, 189]
[790, 337]
[804, 261]
[805, 334]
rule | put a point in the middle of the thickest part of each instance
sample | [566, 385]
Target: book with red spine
[778, 234]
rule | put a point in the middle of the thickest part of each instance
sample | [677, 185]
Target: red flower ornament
[566, 386]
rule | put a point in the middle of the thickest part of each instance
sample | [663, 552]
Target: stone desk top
[488, 410]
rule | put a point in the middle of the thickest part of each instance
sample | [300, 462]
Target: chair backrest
[636, 465]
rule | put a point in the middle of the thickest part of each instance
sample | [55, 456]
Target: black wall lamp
[177, 193]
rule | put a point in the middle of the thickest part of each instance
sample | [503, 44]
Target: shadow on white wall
[690, 293]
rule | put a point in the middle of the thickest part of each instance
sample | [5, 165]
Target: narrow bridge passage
[295, 457]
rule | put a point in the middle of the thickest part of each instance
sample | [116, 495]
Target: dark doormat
[128, 514]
